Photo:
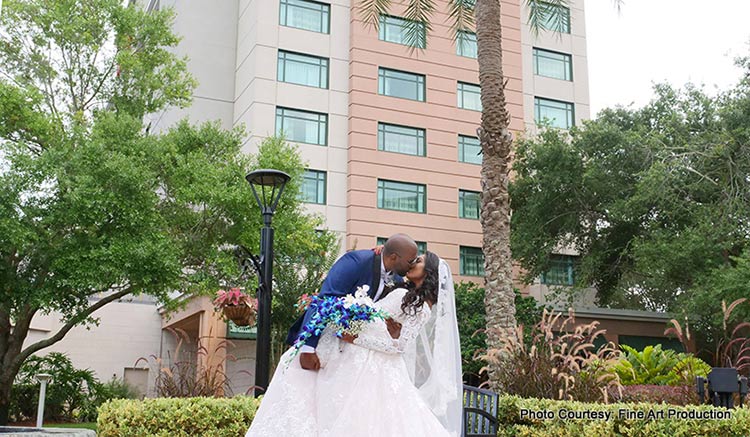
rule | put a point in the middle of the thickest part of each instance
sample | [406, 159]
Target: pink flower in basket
[233, 297]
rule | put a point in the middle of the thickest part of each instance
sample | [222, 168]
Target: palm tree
[494, 136]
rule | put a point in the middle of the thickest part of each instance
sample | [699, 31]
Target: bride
[376, 385]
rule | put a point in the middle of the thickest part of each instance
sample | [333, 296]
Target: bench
[480, 412]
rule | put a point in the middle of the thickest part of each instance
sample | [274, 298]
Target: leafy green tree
[656, 200]
[92, 207]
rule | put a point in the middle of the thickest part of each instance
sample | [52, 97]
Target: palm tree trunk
[496, 141]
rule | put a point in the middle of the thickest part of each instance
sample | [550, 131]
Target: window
[302, 126]
[559, 114]
[471, 261]
[552, 64]
[466, 44]
[469, 96]
[556, 18]
[421, 245]
[561, 271]
[401, 139]
[302, 69]
[402, 31]
[469, 203]
[401, 196]
[313, 187]
[469, 150]
[396, 83]
[305, 14]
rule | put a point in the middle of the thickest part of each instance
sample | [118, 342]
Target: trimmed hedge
[511, 423]
[209, 417]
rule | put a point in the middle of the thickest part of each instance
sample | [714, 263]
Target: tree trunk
[5, 387]
[496, 143]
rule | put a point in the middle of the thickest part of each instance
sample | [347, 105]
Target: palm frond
[419, 16]
[550, 14]
[461, 16]
[372, 10]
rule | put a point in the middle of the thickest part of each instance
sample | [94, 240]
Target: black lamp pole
[262, 180]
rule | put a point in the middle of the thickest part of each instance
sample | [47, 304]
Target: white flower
[349, 300]
[362, 291]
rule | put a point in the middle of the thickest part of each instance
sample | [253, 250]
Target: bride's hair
[428, 291]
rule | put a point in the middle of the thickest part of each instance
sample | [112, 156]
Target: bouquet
[347, 315]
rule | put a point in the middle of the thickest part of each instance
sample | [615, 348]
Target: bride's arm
[384, 343]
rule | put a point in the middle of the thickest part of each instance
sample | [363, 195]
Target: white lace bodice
[375, 336]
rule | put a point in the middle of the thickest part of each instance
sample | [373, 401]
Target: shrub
[511, 423]
[657, 394]
[558, 364]
[70, 392]
[115, 388]
[167, 417]
[656, 366]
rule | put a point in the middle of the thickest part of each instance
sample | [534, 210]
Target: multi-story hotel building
[389, 133]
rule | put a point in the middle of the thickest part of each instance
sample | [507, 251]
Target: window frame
[460, 89]
[571, 112]
[325, 12]
[381, 201]
[460, 43]
[462, 149]
[567, 262]
[420, 80]
[382, 127]
[567, 63]
[282, 71]
[462, 203]
[463, 252]
[305, 178]
[280, 130]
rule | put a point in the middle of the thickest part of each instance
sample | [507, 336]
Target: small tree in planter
[237, 306]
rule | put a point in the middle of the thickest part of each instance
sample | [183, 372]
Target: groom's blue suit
[353, 270]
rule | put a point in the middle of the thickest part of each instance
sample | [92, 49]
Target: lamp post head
[43, 377]
[271, 184]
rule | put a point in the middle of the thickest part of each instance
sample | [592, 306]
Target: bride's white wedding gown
[362, 389]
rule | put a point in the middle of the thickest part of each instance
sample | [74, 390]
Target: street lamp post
[43, 378]
[267, 185]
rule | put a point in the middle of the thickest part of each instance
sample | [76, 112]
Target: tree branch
[99, 86]
[75, 320]
[4, 331]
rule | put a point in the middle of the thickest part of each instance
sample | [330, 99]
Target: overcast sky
[676, 41]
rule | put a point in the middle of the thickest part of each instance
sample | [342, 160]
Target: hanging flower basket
[241, 315]
[237, 306]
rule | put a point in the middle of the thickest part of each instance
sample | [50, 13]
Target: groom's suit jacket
[353, 270]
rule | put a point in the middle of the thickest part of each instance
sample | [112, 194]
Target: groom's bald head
[398, 252]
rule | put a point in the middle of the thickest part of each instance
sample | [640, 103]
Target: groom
[353, 270]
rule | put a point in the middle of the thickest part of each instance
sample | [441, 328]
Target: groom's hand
[394, 328]
[309, 361]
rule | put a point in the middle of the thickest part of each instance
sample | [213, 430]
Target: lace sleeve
[379, 339]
